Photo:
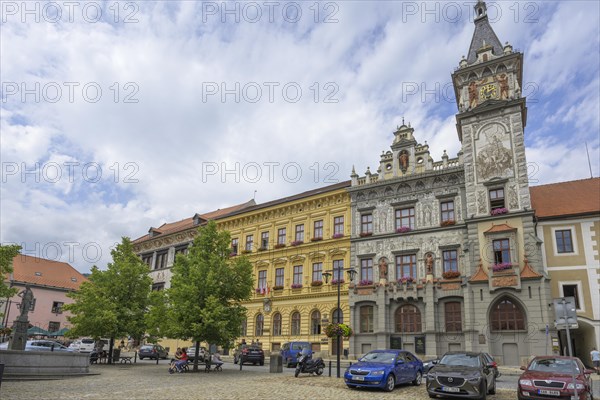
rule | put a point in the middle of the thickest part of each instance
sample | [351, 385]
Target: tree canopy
[207, 288]
[113, 302]
[7, 254]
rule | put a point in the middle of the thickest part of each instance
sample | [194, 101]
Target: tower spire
[484, 36]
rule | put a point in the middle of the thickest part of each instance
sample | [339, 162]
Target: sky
[120, 116]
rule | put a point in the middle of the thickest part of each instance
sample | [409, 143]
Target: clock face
[488, 92]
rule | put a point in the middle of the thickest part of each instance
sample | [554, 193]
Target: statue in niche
[429, 263]
[427, 215]
[404, 160]
[473, 95]
[383, 271]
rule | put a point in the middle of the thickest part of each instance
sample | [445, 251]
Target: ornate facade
[447, 253]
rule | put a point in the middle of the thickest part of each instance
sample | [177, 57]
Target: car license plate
[358, 378]
[450, 389]
[549, 392]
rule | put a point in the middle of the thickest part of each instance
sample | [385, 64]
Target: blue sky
[135, 114]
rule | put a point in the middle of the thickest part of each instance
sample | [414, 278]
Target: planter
[279, 245]
[337, 236]
[297, 242]
[316, 283]
[450, 222]
[404, 229]
[277, 287]
[499, 211]
[316, 239]
[297, 286]
[451, 274]
[366, 234]
[246, 251]
[262, 248]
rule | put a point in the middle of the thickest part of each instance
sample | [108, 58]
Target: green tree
[7, 254]
[207, 288]
[113, 302]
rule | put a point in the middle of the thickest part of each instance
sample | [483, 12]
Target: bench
[125, 359]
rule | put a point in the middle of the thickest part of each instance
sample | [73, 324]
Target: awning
[36, 330]
[59, 333]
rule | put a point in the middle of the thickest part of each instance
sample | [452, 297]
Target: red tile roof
[566, 198]
[479, 275]
[39, 271]
[500, 228]
[529, 272]
[189, 222]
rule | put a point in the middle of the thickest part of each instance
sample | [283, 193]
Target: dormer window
[38, 274]
[73, 279]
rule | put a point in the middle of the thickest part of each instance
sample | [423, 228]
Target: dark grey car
[153, 351]
[461, 374]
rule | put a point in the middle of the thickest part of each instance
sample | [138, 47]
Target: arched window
[486, 72]
[277, 324]
[315, 323]
[244, 327]
[507, 316]
[258, 327]
[408, 319]
[338, 316]
[295, 324]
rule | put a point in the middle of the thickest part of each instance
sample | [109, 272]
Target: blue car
[384, 369]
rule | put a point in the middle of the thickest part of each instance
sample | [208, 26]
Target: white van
[85, 345]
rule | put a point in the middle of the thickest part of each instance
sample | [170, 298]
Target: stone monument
[18, 338]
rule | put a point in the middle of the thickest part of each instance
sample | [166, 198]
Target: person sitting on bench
[216, 360]
[182, 360]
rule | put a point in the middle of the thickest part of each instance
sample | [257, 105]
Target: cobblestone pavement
[149, 381]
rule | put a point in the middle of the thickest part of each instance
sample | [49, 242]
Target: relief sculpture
[513, 199]
[481, 202]
[494, 159]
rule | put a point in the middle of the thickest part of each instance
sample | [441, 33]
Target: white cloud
[152, 152]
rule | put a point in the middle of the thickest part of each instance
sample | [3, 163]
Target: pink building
[50, 281]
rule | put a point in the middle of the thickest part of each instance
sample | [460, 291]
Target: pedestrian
[122, 344]
[595, 354]
[216, 360]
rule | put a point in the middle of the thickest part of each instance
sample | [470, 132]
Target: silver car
[40, 345]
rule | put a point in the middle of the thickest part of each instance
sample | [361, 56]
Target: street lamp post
[337, 274]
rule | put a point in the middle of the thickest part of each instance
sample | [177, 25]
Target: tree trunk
[110, 349]
[197, 353]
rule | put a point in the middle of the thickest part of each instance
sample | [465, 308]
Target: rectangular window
[447, 210]
[338, 270]
[57, 307]
[405, 218]
[281, 236]
[161, 260]
[571, 291]
[318, 229]
[299, 233]
[158, 286]
[338, 225]
[279, 274]
[564, 242]
[453, 316]
[249, 242]
[234, 245]
[147, 259]
[366, 269]
[406, 266]
[262, 279]
[298, 275]
[317, 272]
[366, 319]
[450, 259]
[501, 251]
[184, 249]
[496, 198]
[366, 223]
[264, 240]
[53, 326]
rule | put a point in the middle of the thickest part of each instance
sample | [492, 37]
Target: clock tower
[490, 123]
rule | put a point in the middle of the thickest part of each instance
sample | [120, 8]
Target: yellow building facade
[291, 242]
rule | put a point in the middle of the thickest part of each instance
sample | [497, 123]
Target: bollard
[135, 357]
[241, 362]
[330, 368]
[157, 357]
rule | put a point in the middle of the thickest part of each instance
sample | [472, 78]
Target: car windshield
[146, 348]
[379, 357]
[465, 360]
[87, 341]
[554, 365]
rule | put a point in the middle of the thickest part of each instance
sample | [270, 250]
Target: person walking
[595, 354]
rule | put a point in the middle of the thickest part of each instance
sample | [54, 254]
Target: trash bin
[276, 363]
[116, 355]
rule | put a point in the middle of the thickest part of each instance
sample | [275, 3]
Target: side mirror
[523, 368]
[399, 362]
[435, 361]
[589, 371]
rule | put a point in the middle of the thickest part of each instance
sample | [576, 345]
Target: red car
[551, 377]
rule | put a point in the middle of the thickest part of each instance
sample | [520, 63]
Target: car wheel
[483, 391]
[418, 379]
[319, 371]
[254, 363]
[390, 383]
[432, 396]
[493, 388]
[141, 358]
[262, 363]
[297, 372]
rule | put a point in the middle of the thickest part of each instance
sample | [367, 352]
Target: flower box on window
[277, 287]
[406, 279]
[232, 254]
[279, 245]
[261, 290]
[296, 286]
[335, 281]
[365, 282]
[246, 251]
[337, 235]
[448, 222]
[365, 234]
[499, 211]
[316, 283]
[403, 229]
[316, 239]
[451, 275]
[297, 242]
[501, 267]
[262, 248]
